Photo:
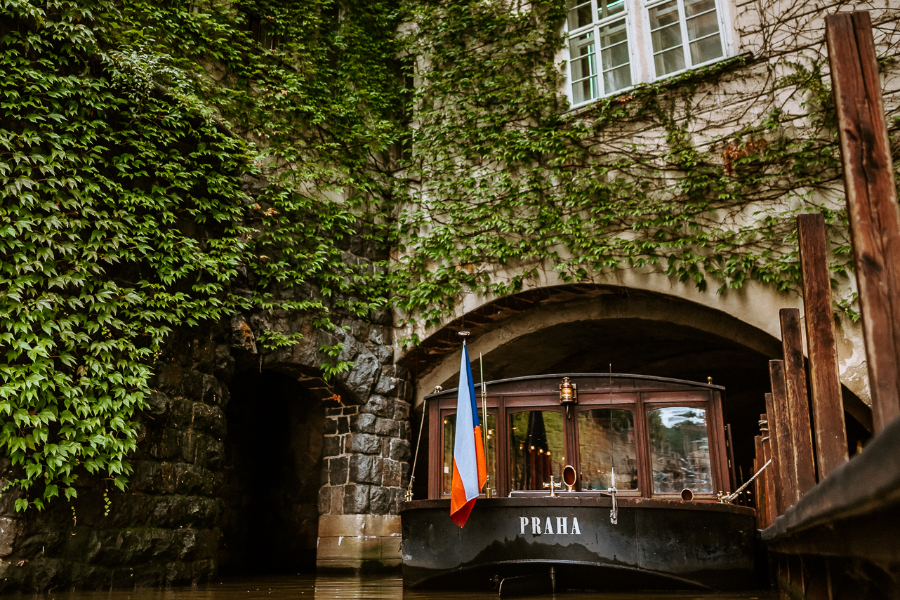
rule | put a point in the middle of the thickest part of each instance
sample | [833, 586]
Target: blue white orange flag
[469, 466]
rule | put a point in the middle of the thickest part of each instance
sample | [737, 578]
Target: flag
[469, 466]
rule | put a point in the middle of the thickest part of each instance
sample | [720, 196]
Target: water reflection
[347, 588]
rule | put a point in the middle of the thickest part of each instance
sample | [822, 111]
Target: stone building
[249, 460]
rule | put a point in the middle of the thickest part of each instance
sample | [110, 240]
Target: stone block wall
[165, 527]
[171, 524]
[366, 455]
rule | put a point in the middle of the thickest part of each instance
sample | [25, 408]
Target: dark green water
[312, 587]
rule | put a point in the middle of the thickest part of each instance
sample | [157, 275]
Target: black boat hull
[656, 544]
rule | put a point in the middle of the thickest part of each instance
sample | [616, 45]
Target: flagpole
[484, 411]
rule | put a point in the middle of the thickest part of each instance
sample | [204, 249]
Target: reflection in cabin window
[606, 442]
[536, 448]
[679, 450]
[490, 451]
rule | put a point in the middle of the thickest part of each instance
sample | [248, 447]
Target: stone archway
[750, 312]
[585, 329]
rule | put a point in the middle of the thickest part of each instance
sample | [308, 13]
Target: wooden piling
[797, 400]
[871, 202]
[824, 377]
[785, 445]
[771, 507]
[759, 484]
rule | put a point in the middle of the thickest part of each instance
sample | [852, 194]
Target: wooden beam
[781, 502]
[759, 484]
[771, 506]
[732, 467]
[785, 445]
[824, 376]
[871, 202]
[797, 399]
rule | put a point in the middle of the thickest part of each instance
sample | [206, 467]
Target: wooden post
[786, 455]
[771, 507]
[732, 468]
[778, 497]
[824, 377]
[871, 203]
[797, 400]
[759, 483]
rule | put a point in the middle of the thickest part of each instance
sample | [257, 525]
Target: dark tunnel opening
[273, 468]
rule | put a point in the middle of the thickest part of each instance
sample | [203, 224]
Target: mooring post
[786, 455]
[824, 377]
[797, 400]
[771, 507]
[871, 202]
[779, 499]
[759, 484]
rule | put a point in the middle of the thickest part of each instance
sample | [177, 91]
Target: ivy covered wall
[168, 164]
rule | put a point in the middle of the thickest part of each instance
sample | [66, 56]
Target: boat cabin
[647, 437]
[639, 462]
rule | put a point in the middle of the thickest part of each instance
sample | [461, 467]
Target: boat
[595, 481]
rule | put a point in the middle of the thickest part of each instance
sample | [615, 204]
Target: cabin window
[537, 448]
[606, 444]
[490, 451]
[679, 450]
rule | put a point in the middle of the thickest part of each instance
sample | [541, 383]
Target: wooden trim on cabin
[504, 405]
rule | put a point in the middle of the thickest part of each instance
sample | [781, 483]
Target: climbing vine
[161, 169]
[699, 176]
[167, 163]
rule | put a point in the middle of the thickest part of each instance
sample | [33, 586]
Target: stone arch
[584, 328]
[364, 438]
[748, 315]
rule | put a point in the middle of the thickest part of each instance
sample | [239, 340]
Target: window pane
[679, 450]
[669, 61]
[583, 68]
[695, 7]
[663, 15]
[702, 26]
[614, 57]
[490, 451]
[536, 449]
[706, 49]
[614, 45]
[667, 37]
[609, 8]
[585, 90]
[606, 442]
[582, 56]
[617, 79]
[579, 13]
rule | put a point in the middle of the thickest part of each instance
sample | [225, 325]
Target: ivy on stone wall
[167, 163]
[699, 176]
[161, 169]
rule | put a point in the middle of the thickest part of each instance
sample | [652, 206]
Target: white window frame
[640, 44]
[595, 28]
[685, 42]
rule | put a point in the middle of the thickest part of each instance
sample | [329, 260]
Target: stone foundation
[358, 543]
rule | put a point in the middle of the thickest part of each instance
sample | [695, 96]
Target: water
[312, 587]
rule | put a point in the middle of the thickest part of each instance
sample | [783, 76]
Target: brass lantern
[568, 394]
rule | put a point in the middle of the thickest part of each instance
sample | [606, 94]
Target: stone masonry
[167, 527]
[366, 469]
